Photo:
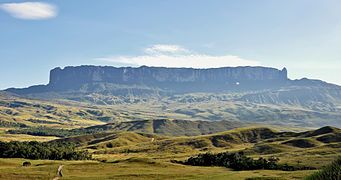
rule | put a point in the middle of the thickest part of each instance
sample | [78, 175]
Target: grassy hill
[254, 141]
[124, 154]
[169, 127]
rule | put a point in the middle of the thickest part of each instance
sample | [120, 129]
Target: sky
[36, 36]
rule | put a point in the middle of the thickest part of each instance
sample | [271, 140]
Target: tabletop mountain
[146, 80]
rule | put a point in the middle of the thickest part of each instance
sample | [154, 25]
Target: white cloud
[30, 10]
[165, 49]
[177, 56]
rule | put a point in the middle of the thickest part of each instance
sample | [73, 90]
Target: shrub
[330, 172]
[26, 163]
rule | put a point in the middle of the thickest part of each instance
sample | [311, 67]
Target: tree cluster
[11, 124]
[238, 161]
[45, 150]
[45, 131]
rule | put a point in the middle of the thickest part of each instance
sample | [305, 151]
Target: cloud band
[177, 56]
[30, 10]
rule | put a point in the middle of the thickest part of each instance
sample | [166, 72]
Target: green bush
[330, 172]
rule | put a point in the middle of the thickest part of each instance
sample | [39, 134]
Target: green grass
[130, 169]
[134, 156]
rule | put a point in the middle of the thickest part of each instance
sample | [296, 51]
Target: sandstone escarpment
[172, 79]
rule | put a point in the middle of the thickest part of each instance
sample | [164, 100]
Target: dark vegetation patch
[45, 131]
[196, 143]
[336, 145]
[81, 113]
[264, 149]
[46, 107]
[330, 138]
[18, 104]
[9, 112]
[330, 172]
[95, 112]
[105, 118]
[26, 164]
[12, 124]
[276, 139]
[238, 161]
[301, 143]
[45, 150]
[323, 130]
[42, 121]
[222, 140]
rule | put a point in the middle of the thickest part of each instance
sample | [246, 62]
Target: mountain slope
[16, 112]
[316, 98]
[169, 127]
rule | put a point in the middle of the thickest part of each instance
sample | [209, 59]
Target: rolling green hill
[128, 151]
[257, 140]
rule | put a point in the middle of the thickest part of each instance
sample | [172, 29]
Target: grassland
[128, 150]
[129, 169]
[129, 155]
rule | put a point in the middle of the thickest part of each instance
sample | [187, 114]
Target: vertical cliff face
[74, 77]
[171, 78]
[168, 80]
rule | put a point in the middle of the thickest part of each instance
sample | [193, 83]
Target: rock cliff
[172, 79]
[113, 80]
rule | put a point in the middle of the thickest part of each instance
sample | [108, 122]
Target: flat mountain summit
[148, 80]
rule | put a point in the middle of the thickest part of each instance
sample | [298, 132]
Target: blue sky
[302, 35]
